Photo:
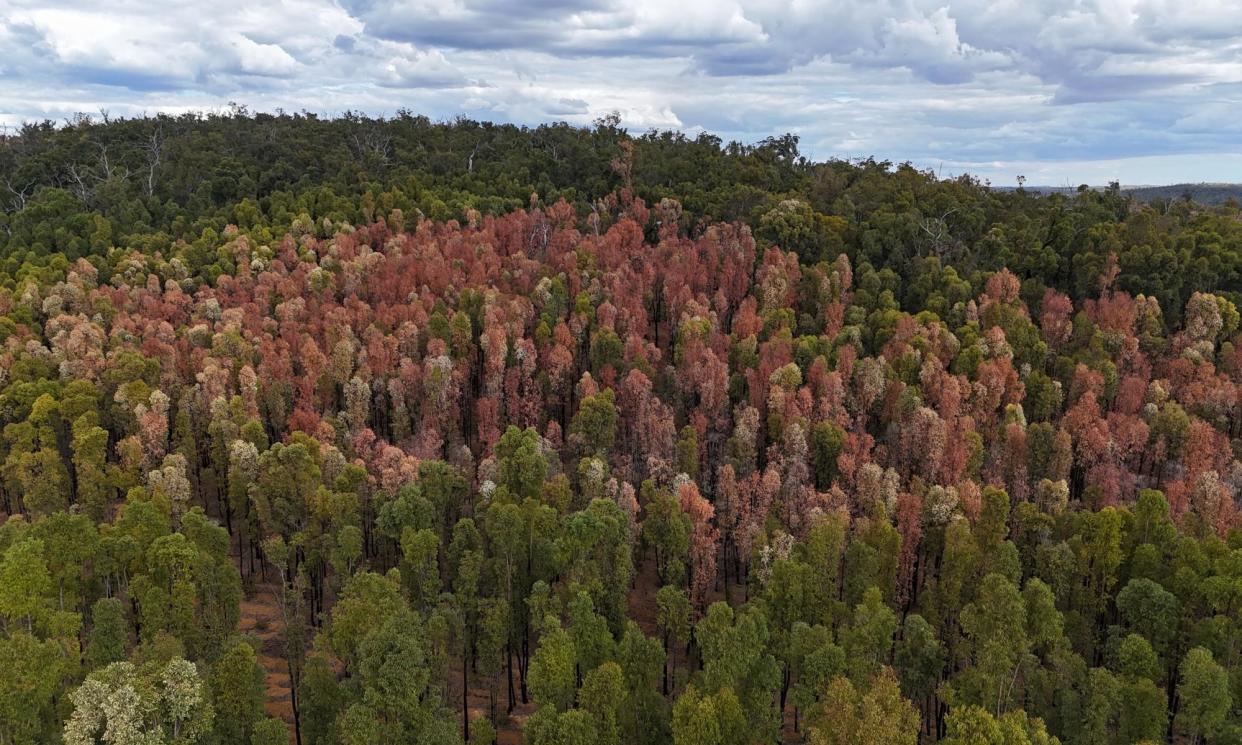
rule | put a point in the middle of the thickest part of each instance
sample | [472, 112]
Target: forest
[348, 431]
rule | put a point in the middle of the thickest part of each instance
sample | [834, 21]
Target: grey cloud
[128, 79]
[569, 107]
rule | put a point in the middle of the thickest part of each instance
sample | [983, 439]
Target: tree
[1203, 695]
[25, 584]
[550, 727]
[394, 671]
[520, 464]
[715, 719]
[795, 226]
[367, 601]
[319, 701]
[34, 467]
[868, 641]
[594, 427]
[551, 676]
[593, 642]
[918, 658]
[1143, 713]
[269, 731]
[31, 675]
[601, 697]
[826, 443]
[972, 725]
[90, 466]
[668, 529]
[735, 657]
[703, 540]
[1149, 609]
[673, 617]
[995, 627]
[1101, 708]
[846, 716]
[420, 551]
[129, 705]
[109, 633]
[643, 715]
[237, 693]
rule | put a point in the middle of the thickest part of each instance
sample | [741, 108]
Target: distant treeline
[1205, 194]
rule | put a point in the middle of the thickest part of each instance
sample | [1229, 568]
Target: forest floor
[261, 618]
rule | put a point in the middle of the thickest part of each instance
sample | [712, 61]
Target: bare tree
[480, 145]
[937, 231]
[369, 140]
[78, 181]
[107, 170]
[20, 195]
[154, 149]
[83, 180]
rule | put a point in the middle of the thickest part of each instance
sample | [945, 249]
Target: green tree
[826, 442]
[878, 713]
[31, 675]
[551, 676]
[269, 731]
[1144, 714]
[520, 464]
[319, 701]
[667, 529]
[25, 584]
[919, 658]
[868, 641]
[1203, 695]
[995, 628]
[735, 656]
[1149, 609]
[601, 696]
[237, 693]
[643, 715]
[673, 618]
[90, 465]
[109, 633]
[715, 719]
[795, 226]
[594, 427]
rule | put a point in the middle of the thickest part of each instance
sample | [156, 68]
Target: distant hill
[1211, 194]
[1201, 193]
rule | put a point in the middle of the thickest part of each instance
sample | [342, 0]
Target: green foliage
[1203, 688]
[237, 693]
[31, 672]
[552, 681]
[269, 731]
[109, 633]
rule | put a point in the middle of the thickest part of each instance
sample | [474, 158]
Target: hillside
[356, 431]
[1209, 194]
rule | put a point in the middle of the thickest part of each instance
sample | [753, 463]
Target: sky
[1062, 92]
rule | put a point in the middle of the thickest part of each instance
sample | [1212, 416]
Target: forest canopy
[354, 430]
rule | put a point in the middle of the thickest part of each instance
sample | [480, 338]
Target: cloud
[253, 58]
[984, 84]
[408, 67]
